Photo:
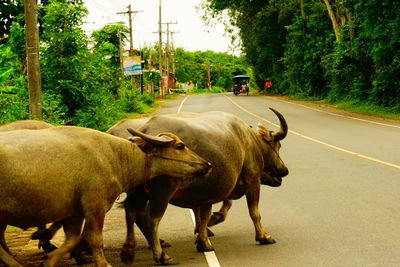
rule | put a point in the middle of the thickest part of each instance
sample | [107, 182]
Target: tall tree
[335, 25]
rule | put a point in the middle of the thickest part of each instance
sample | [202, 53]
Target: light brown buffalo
[34, 125]
[240, 159]
[24, 124]
[85, 170]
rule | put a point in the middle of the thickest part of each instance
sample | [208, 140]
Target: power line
[120, 4]
[104, 8]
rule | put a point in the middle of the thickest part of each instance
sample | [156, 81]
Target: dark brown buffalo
[240, 158]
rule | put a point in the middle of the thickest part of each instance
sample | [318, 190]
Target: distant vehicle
[241, 84]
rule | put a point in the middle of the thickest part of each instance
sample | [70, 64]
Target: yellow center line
[318, 141]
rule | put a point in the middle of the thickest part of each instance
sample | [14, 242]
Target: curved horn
[157, 140]
[284, 127]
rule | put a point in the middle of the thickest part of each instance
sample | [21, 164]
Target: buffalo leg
[155, 214]
[8, 259]
[127, 253]
[262, 236]
[202, 241]
[161, 192]
[72, 229]
[94, 233]
[83, 246]
[3, 243]
[220, 216]
[45, 235]
[5, 254]
[134, 205]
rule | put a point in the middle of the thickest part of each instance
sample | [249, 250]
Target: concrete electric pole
[32, 56]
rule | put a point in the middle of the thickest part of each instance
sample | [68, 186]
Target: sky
[190, 31]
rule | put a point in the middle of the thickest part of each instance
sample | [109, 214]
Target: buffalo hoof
[85, 247]
[203, 248]
[165, 244]
[80, 258]
[127, 255]
[170, 261]
[167, 260]
[266, 241]
[46, 246]
[216, 218]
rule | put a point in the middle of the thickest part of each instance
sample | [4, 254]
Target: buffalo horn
[284, 127]
[157, 140]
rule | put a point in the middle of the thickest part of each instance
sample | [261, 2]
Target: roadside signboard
[132, 65]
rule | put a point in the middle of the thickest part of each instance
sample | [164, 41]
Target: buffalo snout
[205, 170]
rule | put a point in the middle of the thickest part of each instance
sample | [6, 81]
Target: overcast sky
[190, 31]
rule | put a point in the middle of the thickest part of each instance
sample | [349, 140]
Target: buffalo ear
[141, 143]
[264, 132]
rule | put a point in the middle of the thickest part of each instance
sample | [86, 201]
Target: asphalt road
[339, 205]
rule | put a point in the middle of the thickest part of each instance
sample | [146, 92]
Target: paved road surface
[339, 206]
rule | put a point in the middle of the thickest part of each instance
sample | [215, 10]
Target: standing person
[268, 85]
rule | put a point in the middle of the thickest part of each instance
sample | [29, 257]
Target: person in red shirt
[268, 84]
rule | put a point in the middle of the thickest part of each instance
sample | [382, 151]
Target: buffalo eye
[180, 146]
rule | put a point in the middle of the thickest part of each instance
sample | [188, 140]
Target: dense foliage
[82, 83]
[294, 43]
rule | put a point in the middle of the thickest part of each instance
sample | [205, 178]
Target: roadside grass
[212, 90]
[355, 107]
[368, 109]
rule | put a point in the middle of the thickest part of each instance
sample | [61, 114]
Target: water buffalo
[24, 124]
[86, 170]
[240, 158]
[34, 125]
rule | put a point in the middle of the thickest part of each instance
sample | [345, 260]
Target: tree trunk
[351, 24]
[333, 19]
[303, 13]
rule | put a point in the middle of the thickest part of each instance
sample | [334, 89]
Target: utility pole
[160, 48]
[173, 53]
[32, 56]
[130, 12]
[167, 56]
[121, 62]
[167, 52]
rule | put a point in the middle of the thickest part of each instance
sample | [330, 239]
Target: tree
[333, 19]
[109, 35]
[10, 11]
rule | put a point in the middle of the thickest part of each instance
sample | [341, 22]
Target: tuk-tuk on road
[241, 84]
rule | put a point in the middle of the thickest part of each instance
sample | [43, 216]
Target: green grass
[355, 107]
[368, 109]
[213, 89]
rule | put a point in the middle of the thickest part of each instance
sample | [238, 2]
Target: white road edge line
[181, 105]
[210, 256]
[320, 142]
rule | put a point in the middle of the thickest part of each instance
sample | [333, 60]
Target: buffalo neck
[134, 166]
